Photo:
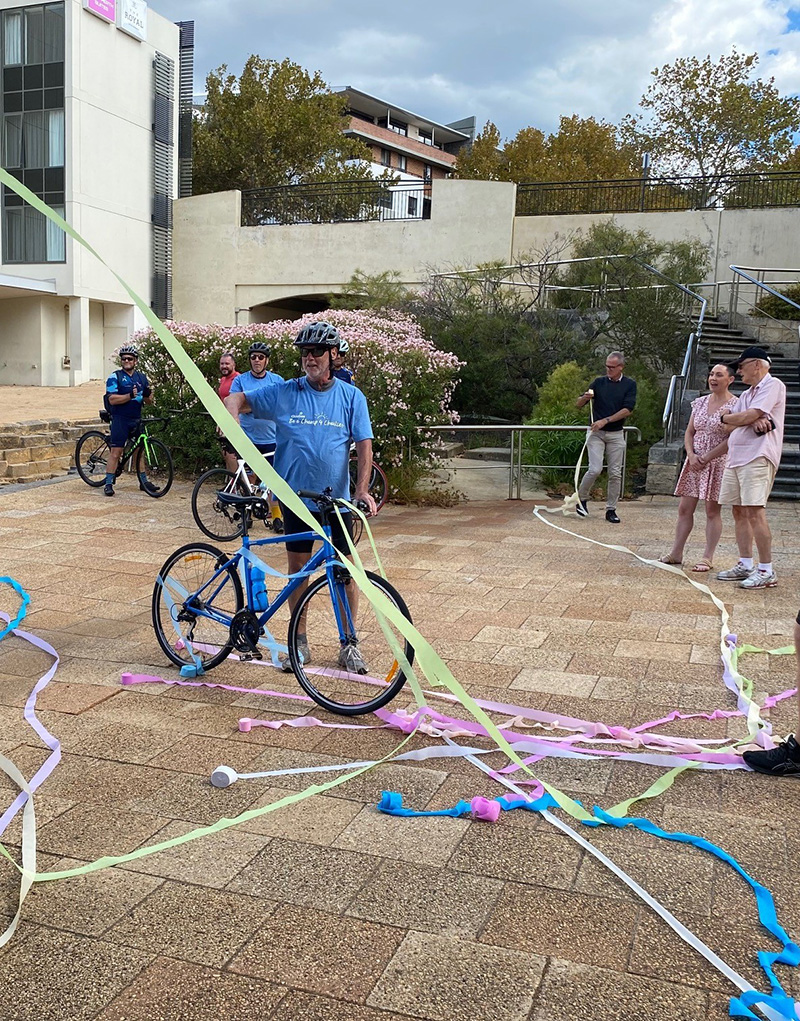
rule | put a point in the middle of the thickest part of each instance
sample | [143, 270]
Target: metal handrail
[744, 272]
[515, 468]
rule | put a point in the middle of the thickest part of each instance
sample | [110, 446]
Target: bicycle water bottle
[258, 581]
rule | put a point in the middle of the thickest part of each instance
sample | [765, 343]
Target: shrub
[408, 383]
[776, 307]
[556, 406]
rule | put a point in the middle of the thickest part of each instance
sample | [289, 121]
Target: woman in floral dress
[706, 444]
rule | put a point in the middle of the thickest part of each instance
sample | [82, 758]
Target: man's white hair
[617, 355]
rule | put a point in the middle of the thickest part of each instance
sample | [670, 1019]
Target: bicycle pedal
[247, 656]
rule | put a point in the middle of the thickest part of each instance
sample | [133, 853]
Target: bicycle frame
[326, 556]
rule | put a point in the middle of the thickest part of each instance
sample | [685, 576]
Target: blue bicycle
[207, 604]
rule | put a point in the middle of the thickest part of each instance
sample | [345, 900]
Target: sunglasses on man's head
[316, 352]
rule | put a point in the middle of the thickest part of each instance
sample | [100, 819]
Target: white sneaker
[351, 659]
[737, 573]
[305, 656]
[760, 579]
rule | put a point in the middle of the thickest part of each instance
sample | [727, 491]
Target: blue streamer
[739, 1006]
[23, 607]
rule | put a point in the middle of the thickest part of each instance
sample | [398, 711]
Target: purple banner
[105, 9]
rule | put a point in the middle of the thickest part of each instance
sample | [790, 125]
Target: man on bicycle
[126, 390]
[340, 371]
[260, 430]
[316, 418]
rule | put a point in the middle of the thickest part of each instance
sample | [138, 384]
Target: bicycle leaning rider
[127, 390]
[316, 418]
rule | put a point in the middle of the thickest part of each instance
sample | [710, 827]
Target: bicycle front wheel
[154, 467]
[217, 520]
[352, 668]
[91, 457]
[193, 605]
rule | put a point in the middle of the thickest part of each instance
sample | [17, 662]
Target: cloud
[517, 64]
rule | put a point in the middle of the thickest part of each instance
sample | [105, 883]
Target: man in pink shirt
[755, 441]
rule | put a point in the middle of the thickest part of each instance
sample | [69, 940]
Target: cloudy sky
[516, 62]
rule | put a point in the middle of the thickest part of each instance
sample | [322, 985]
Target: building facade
[92, 106]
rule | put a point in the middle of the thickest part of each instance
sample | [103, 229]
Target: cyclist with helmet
[126, 390]
[316, 418]
[260, 430]
[339, 369]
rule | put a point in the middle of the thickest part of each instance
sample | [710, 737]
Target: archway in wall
[289, 308]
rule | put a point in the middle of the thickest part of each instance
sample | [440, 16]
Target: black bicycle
[149, 457]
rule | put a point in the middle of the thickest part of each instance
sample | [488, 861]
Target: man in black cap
[755, 441]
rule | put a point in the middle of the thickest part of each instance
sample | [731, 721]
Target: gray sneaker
[737, 573]
[305, 655]
[760, 579]
[351, 660]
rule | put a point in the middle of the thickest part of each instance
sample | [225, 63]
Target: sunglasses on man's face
[314, 352]
[128, 358]
[258, 358]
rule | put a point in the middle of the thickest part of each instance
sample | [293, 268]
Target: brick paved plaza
[329, 909]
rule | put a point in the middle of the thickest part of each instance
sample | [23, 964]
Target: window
[398, 127]
[412, 205]
[427, 172]
[386, 157]
[33, 146]
[426, 137]
[402, 162]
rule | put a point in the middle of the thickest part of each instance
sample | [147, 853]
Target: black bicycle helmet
[318, 334]
[129, 349]
[259, 347]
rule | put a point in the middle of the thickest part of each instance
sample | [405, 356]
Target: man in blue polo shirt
[316, 418]
[614, 398]
[126, 390]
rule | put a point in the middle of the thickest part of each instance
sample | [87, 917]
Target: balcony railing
[337, 202]
[660, 194]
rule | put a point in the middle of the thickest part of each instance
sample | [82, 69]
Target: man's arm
[736, 419]
[364, 455]
[237, 404]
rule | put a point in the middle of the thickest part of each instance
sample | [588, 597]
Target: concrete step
[30, 470]
[489, 454]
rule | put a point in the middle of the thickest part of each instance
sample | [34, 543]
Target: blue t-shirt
[259, 430]
[344, 374]
[314, 431]
[122, 382]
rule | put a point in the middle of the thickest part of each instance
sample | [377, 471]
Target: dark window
[427, 173]
[53, 75]
[412, 205]
[12, 79]
[402, 162]
[163, 119]
[426, 137]
[386, 157]
[33, 76]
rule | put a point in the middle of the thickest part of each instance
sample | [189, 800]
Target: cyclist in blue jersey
[316, 418]
[126, 390]
[339, 370]
[260, 430]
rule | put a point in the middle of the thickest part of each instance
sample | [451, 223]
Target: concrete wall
[220, 266]
[21, 350]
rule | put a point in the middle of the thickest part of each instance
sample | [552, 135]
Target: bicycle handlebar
[326, 499]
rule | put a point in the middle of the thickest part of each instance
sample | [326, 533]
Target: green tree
[377, 291]
[483, 160]
[632, 309]
[713, 118]
[276, 124]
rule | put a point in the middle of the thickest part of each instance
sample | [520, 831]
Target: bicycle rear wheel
[378, 486]
[340, 647]
[192, 606]
[154, 467]
[91, 457]
[217, 520]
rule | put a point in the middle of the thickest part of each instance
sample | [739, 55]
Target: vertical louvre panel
[163, 150]
[185, 91]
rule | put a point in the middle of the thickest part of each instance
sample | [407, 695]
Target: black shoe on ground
[109, 490]
[581, 509]
[611, 515]
[781, 761]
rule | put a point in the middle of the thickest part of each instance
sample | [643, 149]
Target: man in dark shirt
[613, 398]
[126, 390]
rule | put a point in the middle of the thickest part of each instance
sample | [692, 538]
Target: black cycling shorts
[292, 524]
[123, 429]
[798, 621]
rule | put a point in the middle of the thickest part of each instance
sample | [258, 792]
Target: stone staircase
[39, 449]
[722, 344]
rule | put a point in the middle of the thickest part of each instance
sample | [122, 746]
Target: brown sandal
[703, 566]
[667, 559]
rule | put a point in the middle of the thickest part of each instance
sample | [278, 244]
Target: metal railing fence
[337, 202]
[660, 194]
[516, 467]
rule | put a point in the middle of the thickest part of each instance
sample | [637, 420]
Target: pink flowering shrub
[407, 381]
